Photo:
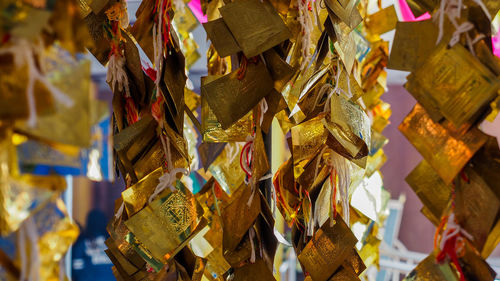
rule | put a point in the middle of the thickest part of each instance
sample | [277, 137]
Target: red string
[449, 250]
[246, 149]
[132, 115]
[244, 65]
[333, 182]
[150, 72]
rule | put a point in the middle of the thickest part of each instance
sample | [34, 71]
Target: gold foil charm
[327, 250]
[255, 25]
[453, 82]
[444, 152]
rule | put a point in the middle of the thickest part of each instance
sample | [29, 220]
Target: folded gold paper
[221, 37]
[474, 267]
[172, 86]
[345, 44]
[136, 196]
[225, 95]
[458, 85]
[167, 224]
[413, 42]
[239, 215]
[430, 188]
[476, 207]
[445, 153]
[255, 25]
[280, 70]
[134, 143]
[254, 271]
[142, 30]
[354, 263]
[226, 168]
[420, 7]
[68, 125]
[347, 12]
[344, 274]
[213, 132]
[382, 21]
[307, 139]
[429, 269]
[327, 250]
[349, 128]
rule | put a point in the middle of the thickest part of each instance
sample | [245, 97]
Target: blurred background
[408, 234]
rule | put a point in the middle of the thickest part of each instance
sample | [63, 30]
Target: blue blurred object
[94, 162]
[89, 262]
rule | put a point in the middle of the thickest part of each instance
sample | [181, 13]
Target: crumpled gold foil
[446, 153]
[226, 168]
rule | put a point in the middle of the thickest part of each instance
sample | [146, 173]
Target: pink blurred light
[195, 7]
[495, 42]
[407, 14]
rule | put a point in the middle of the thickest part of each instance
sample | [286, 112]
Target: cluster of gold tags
[201, 198]
[454, 78]
[45, 119]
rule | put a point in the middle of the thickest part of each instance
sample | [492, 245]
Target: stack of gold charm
[319, 69]
[45, 117]
[454, 78]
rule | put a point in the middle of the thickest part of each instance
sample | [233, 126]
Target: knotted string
[306, 24]
[453, 244]
[168, 179]
[116, 75]
[23, 54]
[453, 9]
[333, 90]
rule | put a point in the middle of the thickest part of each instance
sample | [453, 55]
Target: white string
[168, 179]
[452, 9]
[232, 151]
[263, 109]
[452, 230]
[120, 210]
[158, 49]
[464, 27]
[124, 21]
[251, 234]
[116, 76]
[310, 224]
[306, 28]
[23, 54]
